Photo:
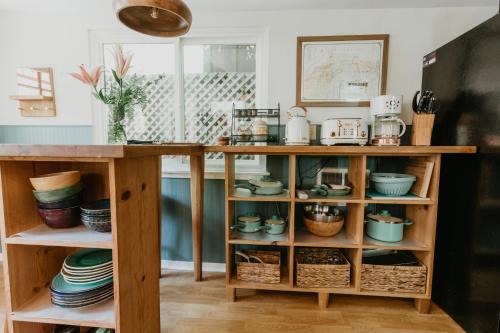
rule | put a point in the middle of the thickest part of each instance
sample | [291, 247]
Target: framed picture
[341, 70]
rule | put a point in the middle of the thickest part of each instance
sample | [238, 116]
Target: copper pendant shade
[162, 18]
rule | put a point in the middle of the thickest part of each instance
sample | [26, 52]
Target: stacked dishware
[85, 279]
[97, 215]
[59, 196]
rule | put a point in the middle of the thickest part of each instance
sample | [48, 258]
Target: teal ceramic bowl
[392, 184]
[59, 194]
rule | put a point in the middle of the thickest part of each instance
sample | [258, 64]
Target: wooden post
[135, 250]
[423, 305]
[323, 300]
[230, 294]
[197, 188]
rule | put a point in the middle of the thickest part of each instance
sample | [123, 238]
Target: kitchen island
[33, 253]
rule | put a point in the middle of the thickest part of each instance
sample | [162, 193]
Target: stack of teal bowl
[96, 215]
[86, 278]
[59, 197]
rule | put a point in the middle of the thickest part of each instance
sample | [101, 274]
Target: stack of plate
[97, 215]
[86, 278]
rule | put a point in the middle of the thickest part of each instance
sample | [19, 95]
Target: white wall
[59, 39]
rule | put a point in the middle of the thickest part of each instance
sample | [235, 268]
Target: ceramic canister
[275, 225]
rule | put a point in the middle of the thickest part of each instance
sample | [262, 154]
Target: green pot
[275, 225]
[249, 222]
[385, 228]
[59, 194]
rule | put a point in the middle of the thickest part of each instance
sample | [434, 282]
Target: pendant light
[162, 18]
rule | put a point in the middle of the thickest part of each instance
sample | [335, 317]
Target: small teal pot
[386, 231]
[275, 225]
[249, 222]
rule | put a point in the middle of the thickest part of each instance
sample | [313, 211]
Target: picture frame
[341, 71]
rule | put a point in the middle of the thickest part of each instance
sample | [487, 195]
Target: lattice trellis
[157, 120]
[208, 102]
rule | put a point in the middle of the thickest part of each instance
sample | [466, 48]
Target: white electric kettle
[297, 127]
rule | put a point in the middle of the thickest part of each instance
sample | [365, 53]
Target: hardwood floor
[201, 307]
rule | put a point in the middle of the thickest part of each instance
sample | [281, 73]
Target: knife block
[421, 133]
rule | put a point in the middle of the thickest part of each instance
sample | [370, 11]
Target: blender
[387, 127]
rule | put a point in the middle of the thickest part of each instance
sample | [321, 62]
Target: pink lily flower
[122, 61]
[91, 78]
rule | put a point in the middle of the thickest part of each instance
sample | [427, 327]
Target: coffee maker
[387, 127]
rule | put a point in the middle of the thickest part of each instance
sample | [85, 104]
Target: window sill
[245, 175]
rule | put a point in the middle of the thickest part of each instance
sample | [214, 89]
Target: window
[201, 79]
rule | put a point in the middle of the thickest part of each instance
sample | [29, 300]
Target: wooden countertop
[343, 150]
[12, 152]
[23, 152]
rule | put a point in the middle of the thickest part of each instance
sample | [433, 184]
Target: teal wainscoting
[46, 134]
[176, 217]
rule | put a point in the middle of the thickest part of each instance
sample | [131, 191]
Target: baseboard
[189, 266]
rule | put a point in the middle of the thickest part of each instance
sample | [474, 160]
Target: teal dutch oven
[275, 225]
[249, 222]
[385, 228]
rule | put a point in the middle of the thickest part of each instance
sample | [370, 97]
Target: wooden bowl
[55, 181]
[324, 229]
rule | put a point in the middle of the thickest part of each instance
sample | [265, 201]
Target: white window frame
[228, 36]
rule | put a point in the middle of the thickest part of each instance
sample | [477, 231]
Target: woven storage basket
[398, 279]
[321, 275]
[267, 271]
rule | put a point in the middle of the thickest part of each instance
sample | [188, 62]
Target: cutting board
[422, 169]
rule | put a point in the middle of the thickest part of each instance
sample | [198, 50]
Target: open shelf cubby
[300, 172]
[34, 253]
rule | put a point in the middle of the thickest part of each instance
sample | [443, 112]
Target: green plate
[61, 286]
[89, 258]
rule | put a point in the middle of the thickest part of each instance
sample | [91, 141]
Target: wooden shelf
[243, 195]
[31, 98]
[418, 239]
[348, 290]
[405, 244]
[341, 240]
[73, 237]
[259, 238]
[41, 310]
[332, 199]
[391, 294]
[399, 201]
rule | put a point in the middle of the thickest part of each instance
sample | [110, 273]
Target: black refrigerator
[465, 77]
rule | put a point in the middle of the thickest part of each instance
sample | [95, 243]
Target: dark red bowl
[60, 218]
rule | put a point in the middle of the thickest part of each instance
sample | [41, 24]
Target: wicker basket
[258, 266]
[321, 274]
[397, 279]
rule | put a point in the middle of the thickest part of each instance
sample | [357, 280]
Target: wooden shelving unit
[33, 253]
[419, 238]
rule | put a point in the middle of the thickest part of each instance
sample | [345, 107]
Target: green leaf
[117, 79]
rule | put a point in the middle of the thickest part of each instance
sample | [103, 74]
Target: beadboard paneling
[46, 134]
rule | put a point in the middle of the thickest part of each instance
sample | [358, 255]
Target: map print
[341, 70]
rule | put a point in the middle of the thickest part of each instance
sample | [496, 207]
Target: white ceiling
[253, 5]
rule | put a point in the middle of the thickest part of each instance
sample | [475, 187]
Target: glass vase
[116, 127]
